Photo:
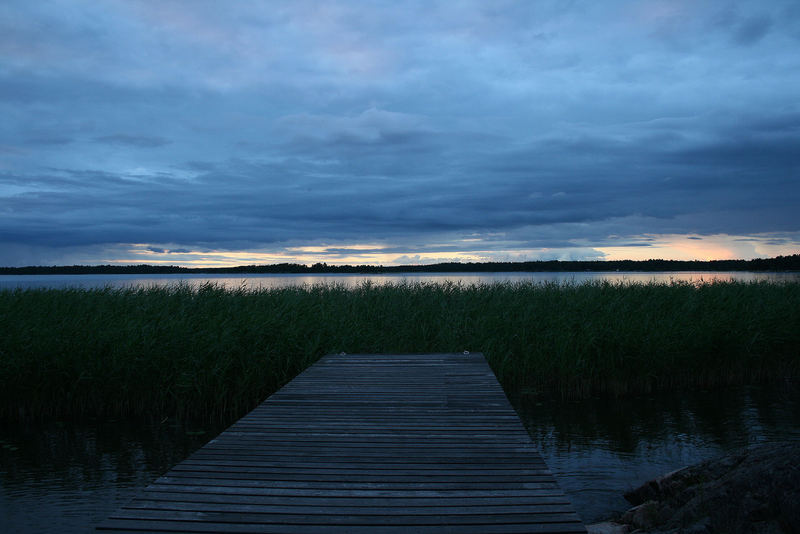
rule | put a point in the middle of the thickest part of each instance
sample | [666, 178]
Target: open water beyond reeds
[271, 281]
[66, 477]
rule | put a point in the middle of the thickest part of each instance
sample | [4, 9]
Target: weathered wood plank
[528, 493]
[257, 482]
[342, 519]
[364, 509]
[380, 504]
[365, 443]
[164, 527]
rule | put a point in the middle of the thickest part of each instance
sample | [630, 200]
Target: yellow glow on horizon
[695, 247]
[670, 250]
[307, 255]
[668, 247]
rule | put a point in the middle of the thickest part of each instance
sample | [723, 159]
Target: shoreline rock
[752, 490]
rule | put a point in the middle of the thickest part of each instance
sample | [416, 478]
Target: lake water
[67, 477]
[256, 281]
[600, 448]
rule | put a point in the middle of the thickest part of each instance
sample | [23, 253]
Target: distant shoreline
[777, 264]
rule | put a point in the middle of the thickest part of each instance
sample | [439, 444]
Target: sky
[205, 133]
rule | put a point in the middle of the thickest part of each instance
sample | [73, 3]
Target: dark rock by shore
[753, 490]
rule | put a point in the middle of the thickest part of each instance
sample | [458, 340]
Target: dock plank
[365, 443]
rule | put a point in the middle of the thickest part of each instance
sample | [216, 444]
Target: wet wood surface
[365, 443]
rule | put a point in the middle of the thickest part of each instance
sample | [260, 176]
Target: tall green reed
[213, 353]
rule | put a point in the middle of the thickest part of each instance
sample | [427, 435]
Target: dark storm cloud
[263, 202]
[783, 123]
[779, 156]
[525, 125]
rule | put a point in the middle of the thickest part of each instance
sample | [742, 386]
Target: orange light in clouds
[689, 247]
[669, 247]
[141, 253]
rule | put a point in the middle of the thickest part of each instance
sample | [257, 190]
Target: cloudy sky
[211, 133]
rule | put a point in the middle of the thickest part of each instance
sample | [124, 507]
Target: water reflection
[598, 449]
[256, 281]
[66, 477]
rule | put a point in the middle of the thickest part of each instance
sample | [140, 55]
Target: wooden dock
[365, 444]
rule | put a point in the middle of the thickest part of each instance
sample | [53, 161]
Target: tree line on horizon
[779, 263]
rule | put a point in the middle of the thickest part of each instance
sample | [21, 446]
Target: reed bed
[213, 354]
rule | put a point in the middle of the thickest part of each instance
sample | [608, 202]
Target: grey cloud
[10, 150]
[70, 180]
[752, 30]
[200, 166]
[553, 125]
[346, 251]
[783, 123]
[371, 124]
[244, 198]
[49, 140]
[27, 88]
[778, 155]
[258, 202]
[137, 141]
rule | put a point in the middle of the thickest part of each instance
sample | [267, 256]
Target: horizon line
[794, 258]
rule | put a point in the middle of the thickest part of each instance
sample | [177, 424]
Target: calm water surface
[256, 281]
[598, 449]
[67, 477]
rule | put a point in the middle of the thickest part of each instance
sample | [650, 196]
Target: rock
[653, 489]
[753, 490]
[644, 516]
[607, 527]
